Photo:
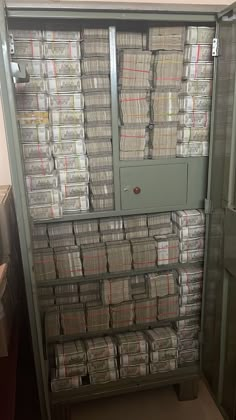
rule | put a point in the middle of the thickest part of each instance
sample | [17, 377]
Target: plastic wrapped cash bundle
[70, 366]
[40, 236]
[188, 340]
[144, 253]
[163, 138]
[101, 192]
[122, 314]
[97, 316]
[195, 103]
[102, 360]
[165, 106]
[146, 311]
[61, 235]
[68, 261]
[163, 345]
[44, 265]
[134, 106]
[168, 70]
[119, 256]
[189, 225]
[167, 249]
[126, 40]
[135, 227]
[166, 38]
[116, 290]
[133, 354]
[90, 292]
[44, 197]
[135, 69]
[73, 319]
[94, 259]
[133, 142]
[190, 280]
[96, 87]
[161, 284]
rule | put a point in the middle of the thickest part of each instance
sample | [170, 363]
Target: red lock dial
[137, 190]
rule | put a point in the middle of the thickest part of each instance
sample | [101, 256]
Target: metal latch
[11, 44]
[215, 47]
[19, 73]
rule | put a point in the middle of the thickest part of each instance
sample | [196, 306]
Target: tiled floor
[159, 404]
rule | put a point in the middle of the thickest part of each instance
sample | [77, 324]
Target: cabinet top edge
[14, 6]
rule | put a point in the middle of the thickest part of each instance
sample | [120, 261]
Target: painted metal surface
[81, 14]
[114, 115]
[10, 120]
[164, 185]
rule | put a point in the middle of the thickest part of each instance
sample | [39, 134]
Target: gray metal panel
[180, 183]
[121, 6]
[40, 13]
[11, 128]
[160, 185]
[229, 363]
[115, 116]
[217, 287]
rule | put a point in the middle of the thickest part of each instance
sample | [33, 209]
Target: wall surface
[5, 177]
[4, 163]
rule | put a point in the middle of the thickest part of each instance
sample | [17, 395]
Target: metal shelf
[111, 213]
[159, 161]
[89, 392]
[114, 331]
[82, 279]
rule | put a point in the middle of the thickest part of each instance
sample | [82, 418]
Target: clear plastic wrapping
[64, 84]
[54, 68]
[58, 50]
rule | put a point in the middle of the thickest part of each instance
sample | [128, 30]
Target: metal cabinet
[153, 186]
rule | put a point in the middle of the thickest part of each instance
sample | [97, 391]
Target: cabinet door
[13, 144]
[218, 321]
[164, 186]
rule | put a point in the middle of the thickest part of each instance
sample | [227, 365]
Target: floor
[160, 404]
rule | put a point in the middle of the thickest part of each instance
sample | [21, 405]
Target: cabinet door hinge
[208, 206]
[11, 44]
[215, 47]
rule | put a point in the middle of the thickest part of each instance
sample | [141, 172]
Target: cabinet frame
[15, 14]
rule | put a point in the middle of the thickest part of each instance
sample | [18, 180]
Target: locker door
[13, 143]
[218, 322]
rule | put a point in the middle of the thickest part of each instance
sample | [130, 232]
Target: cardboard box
[7, 309]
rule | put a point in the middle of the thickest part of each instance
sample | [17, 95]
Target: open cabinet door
[13, 144]
[219, 308]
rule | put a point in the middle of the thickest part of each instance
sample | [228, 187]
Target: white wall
[5, 177]
[4, 163]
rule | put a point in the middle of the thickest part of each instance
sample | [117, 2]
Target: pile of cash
[144, 252]
[119, 256]
[188, 340]
[94, 259]
[97, 316]
[163, 345]
[195, 101]
[189, 225]
[133, 354]
[102, 360]
[70, 366]
[167, 38]
[96, 88]
[51, 110]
